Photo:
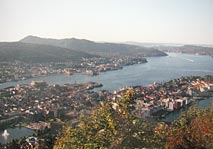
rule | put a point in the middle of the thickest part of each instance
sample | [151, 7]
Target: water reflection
[5, 134]
[14, 133]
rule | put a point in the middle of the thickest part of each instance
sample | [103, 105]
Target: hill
[34, 53]
[151, 44]
[190, 49]
[101, 49]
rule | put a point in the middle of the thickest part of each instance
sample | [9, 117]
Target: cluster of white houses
[170, 104]
[202, 86]
[175, 102]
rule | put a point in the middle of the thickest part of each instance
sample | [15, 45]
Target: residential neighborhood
[90, 66]
[167, 96]
[40, 106]
[39, 101]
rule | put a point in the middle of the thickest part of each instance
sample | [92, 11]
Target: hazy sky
[167, 21]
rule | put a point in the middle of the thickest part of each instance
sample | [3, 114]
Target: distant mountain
[101, 49]
[149, 44]
[34, 53]
[190, 49]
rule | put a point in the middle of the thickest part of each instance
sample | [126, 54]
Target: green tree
[112, 125]
[192, 130]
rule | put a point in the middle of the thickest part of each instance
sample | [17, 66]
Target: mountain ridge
[189, 49]
[105, 49]
[34, 53]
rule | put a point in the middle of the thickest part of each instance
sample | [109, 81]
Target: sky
[155, 21]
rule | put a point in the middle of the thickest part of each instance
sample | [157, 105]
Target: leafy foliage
[192, 130]
[114, 125]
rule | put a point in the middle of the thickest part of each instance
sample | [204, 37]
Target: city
[106, 74]
[92, 66]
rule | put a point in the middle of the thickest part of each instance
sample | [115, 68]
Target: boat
[5, 133]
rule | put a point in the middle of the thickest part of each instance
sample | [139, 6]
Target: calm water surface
[158, 69]
[15, 133]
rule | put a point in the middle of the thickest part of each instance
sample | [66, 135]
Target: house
[210, 86]
[171, 106]
[179, 103]
[165, 103]
[185, 101]
[189, 91]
